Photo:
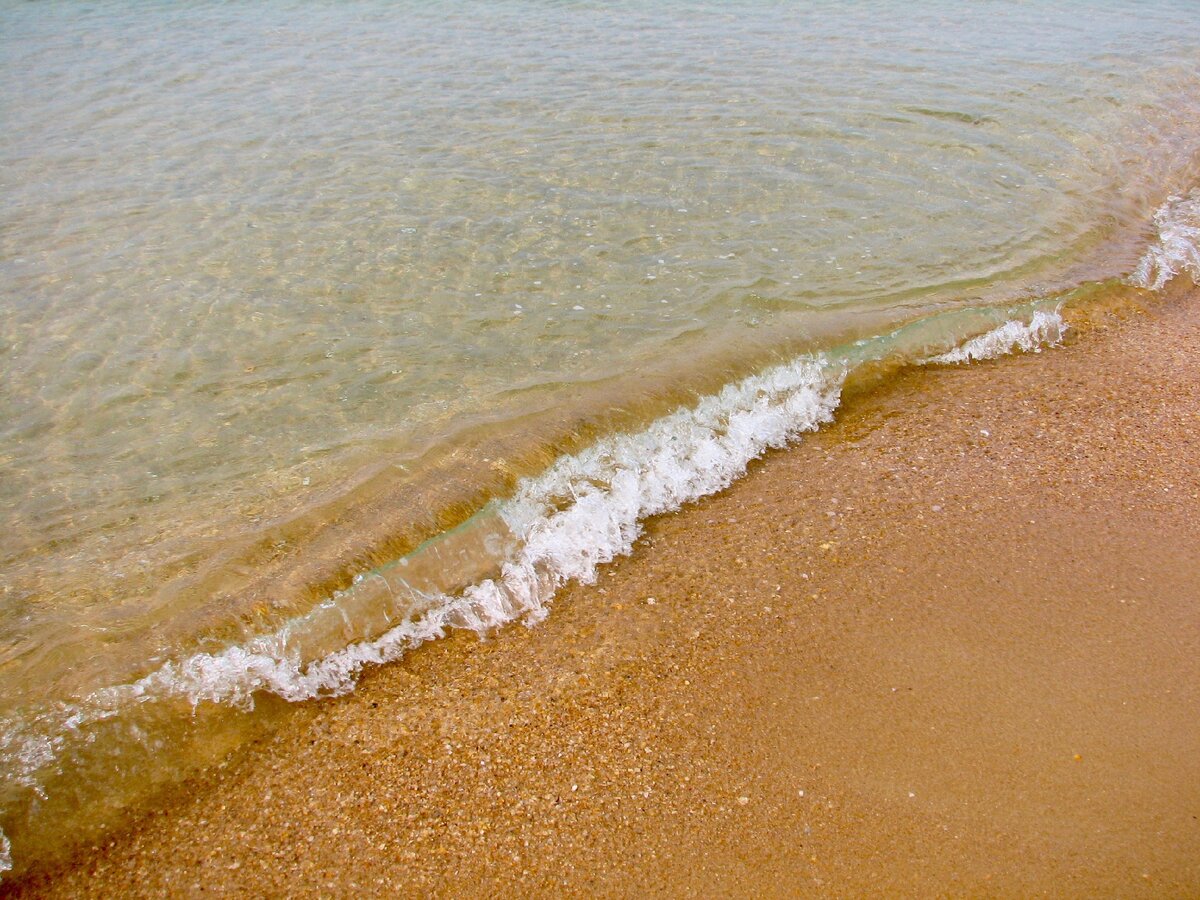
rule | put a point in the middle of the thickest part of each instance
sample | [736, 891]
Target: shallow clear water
[290, 288]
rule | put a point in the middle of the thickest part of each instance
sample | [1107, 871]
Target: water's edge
[507, 562]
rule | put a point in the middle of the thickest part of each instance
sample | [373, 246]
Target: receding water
[289, 289]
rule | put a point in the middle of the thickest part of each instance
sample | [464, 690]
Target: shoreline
[945, 644]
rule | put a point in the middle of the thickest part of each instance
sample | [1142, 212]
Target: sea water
[325, 327]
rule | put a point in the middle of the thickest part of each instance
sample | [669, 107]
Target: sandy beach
[949, 645]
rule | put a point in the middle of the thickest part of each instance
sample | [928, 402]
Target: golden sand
[949, 645]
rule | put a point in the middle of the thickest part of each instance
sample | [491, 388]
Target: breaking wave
[1177, 249]
[1043, 329]
[584, 511]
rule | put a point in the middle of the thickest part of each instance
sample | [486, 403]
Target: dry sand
[949, 645]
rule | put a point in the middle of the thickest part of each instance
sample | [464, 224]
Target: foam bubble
[1178, 246]
[1043, 329]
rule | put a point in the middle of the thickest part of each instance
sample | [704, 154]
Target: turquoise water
[291, 289]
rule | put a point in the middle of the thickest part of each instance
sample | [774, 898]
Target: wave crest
[1177, 248]
[1043, 329]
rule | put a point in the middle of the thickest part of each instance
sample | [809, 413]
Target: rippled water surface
[289, 288]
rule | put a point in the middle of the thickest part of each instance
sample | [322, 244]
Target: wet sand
[949, 645]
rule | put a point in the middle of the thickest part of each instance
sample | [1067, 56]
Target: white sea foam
[5, 853]
[1043, 329]
[1178, 246]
